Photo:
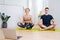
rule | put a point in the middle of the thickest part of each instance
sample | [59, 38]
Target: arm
[23, 20]
[32, 20]
[53, 22]
[39, 21]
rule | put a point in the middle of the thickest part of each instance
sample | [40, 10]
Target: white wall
[36, 6]
[14, 8]
[54, 6]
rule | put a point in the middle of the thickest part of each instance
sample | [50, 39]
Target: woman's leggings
[26, 25]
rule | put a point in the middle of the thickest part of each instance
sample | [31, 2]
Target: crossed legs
[51, 27]
[25, 25]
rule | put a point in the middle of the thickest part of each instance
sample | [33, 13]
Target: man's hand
[53, 22]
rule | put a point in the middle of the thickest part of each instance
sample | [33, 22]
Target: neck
[46, 14]
[27, 14]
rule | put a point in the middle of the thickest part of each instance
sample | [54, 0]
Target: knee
[31, 24]
[53, 26]
[19, 23]
[39, 24]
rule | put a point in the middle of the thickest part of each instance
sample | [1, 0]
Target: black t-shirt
[46, 19]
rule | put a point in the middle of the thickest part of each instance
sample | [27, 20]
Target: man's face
[46, 11]
[27, 11]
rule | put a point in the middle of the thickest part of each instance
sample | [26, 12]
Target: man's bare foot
[52, 29]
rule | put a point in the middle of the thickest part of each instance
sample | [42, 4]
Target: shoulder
[42, 15]
[50, 15]
[24, 16]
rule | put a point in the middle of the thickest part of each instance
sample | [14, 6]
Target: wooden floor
[39, 35]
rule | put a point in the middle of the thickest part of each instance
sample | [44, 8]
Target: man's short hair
[46, 8]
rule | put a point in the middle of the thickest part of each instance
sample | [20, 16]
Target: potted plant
[4, 20]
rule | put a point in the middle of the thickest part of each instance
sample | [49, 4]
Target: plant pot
[4, 25]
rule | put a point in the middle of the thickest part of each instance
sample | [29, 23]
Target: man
[27, 21]
[46, 20]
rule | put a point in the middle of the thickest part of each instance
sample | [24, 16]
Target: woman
[27, 21]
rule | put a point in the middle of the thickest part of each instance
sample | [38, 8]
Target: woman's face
[27, 11]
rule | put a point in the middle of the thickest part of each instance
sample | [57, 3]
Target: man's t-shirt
[46, 19]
